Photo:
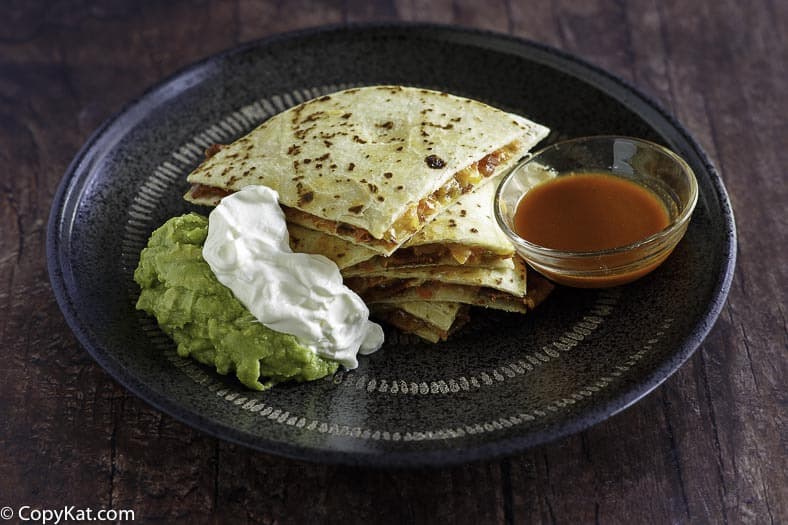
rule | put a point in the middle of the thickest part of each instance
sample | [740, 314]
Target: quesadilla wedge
[510, 279]
[538, 290]
[371, 165]
[465, 233]
[343, 253]
[440, 314]
[432, 323]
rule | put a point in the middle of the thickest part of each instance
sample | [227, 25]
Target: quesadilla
[538, 290]
[510, 279]
[441, 315]
[433, 321]
[342, 252]
[465, 233]
[371, 165]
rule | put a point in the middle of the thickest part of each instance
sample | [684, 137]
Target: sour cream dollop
[301, 294]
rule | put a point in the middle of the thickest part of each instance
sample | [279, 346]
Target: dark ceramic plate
[505, 382]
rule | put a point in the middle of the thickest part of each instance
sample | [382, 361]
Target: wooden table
[709, 446]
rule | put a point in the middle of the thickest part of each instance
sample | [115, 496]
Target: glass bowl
[650, 165]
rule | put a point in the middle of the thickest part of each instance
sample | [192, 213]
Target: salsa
[583, 212]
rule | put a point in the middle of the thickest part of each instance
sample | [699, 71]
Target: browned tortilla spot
[306, 198]
[435, 162]
[213, 150]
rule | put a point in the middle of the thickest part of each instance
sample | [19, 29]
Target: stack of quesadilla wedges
[459, 258]
[395, 185]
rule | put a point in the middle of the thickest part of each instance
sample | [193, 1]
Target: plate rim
[62, 283]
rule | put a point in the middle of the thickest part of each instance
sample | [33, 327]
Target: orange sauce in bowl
[587, 212]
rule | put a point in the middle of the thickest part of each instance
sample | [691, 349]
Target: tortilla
[422, 319]
[510, 279]
[440, 314]
[465, 233]
[342, 252]
[371, 165]
[539, 289]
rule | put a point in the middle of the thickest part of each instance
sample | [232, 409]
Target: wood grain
[709, 446]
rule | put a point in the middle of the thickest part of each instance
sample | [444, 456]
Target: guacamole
[206, 321]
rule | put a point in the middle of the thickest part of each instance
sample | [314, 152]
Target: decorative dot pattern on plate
[285, 417]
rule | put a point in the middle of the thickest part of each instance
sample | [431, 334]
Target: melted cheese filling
[433, 254]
